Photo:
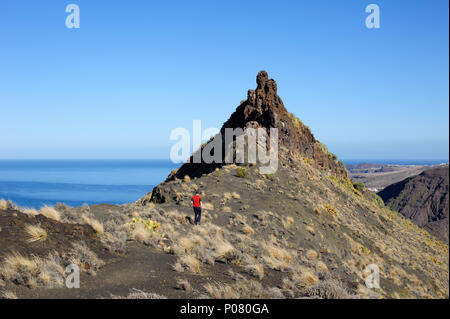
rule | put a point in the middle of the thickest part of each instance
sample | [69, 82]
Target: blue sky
[135, 70]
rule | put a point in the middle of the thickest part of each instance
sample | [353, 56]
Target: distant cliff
[424, 199]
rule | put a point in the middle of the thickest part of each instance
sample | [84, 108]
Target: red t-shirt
[196, 201]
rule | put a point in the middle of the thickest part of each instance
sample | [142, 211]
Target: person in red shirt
[197, 204]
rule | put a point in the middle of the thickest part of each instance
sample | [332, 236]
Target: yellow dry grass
[191, 263]
[208, 206]
[287, 222]
[321, 266]
[3, 204]
[312, 254]
[29, 211]
[35, 233]
[309, 278]
[50, 213]
[95, 224]
[248, 230]
[140, 234]
[226, 209]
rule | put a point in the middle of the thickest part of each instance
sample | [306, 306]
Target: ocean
[34, 183]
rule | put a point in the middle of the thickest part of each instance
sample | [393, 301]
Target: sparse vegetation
[84, 257]
[226, 209]
[330, 209]
[95, 224]
[288, 222]
[241, 172]
[312, 254]
[270, 177]
[32, 271]
[360, 187]
[246, 229]
[190, 263]
[50, 213]
[35, 233]
[139, 294]
[183, 284]
[8, 295]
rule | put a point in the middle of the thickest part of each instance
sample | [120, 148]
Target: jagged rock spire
[263, 108]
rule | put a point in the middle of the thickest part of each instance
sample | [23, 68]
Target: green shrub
[360, 187]
[241, 172]
[378, 200]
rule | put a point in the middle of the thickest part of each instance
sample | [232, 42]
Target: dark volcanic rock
[424, 199]
[265, 109]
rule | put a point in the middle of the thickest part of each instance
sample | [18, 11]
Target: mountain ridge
[424, 199]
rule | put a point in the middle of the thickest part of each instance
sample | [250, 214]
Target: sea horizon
[37, 182]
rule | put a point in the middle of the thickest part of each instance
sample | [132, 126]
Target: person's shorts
[197, 210]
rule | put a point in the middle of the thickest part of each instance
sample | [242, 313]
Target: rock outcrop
[304, 216]
[263, 108]
[424, 199]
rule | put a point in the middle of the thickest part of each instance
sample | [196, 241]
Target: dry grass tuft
[242, 289]
[32, 271]
[84, 257]
[95, 224]
[189, 243]
[208, 206]
[287, 222]
[3, 204]
[312, 254]
[223, 249]
[190, 263]
[330, 209]
[50, 213]
[308, 278]
[183, 284]
[328, 289]
[177, 267]
[309, 229]
[139, 294]
[8, 295]
[20, 262]
[235, 195]
[321, 266]
[187, 179]
[221, 291]
[226, 209]
[29, 211]
[248, 230]
[140, 234]
[277, 258]
[256, 270]
[35, 233]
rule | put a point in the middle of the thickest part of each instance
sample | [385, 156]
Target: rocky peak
[263, 108]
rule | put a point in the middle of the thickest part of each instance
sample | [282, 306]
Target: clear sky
[135, 70]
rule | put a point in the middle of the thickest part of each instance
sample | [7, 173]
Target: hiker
[197, 204]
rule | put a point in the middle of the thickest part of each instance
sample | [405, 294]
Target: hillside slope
[301, 232]
[424, 199]
[305, 221]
